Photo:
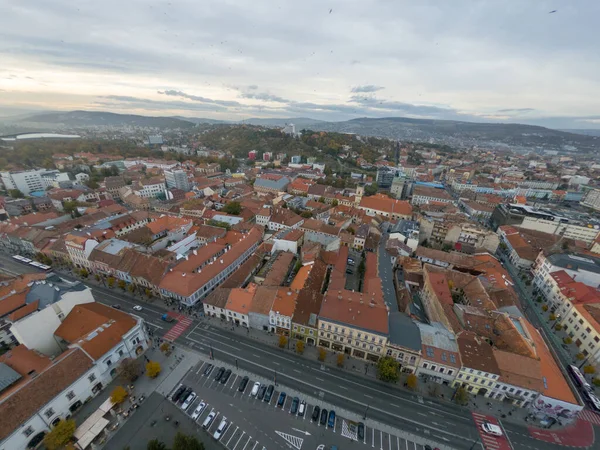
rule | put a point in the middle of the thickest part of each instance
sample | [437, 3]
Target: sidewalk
[442, 393]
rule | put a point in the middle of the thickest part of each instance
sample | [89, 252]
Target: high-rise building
[177, 178]
[296, 159]
[592, 199]
[252, 154]
[26, 181]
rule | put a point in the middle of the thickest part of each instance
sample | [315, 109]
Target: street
[438, 420]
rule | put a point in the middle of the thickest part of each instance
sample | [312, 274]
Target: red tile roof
[380, 202]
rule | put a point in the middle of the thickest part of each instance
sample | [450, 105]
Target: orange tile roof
[12, 303]
[285, 302]
[380, 202]
[354, 309]
[95, 327]
[24, 311]
[300, 278]
[167, 223]
[240, 299]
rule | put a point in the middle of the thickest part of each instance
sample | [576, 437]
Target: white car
[188, 401]
[255, 389]
[209, 419]
[221, 429]
[137, 308]
[490, 428]
[198, 410]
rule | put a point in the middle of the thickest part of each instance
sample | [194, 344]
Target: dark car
[185, 395]
[208, 370]
[178, 393]
[261, 392]
[281, 399]
[116, 306]
[360, 432]
[315, 414]
[219, 373]
[269, 393]
[226, 376]
[243, 384]
[295, 403]
[331, 420]
[323, 420]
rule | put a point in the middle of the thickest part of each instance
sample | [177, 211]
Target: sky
[490, 61]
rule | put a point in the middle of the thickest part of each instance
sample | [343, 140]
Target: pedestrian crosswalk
[177, 330]
[590, 416]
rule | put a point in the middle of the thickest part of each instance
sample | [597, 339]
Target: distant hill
[101, 118]
[299, 122]
[199, 120]
[585, 132]
[495, 135]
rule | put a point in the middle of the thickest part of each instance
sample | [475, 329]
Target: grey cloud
[516, 110]
[200, 99]
[367, 88]
[253, 87]
[264, 96]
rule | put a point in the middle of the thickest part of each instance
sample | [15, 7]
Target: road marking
[297, 371]
[238, 441]
[234, 380]
[398, 442]
[247, 442]
[295, 441]
[255, 445]
[373, 438]
[214, 421]
[368, 396]
[321, 379]
[200, 368]
[231, 437]
[381, 439]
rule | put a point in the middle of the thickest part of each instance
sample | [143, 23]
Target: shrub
[300, 347]
[411, 381]
[322, 354]
[282, 341]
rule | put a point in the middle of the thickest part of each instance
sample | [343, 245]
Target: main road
[451, 425]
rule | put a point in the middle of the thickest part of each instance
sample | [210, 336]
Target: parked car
[331, 420]
[315, 414]
[295, 404]
[188, 401]
[116, 306]
[198, 410]
[137, 308]
[178, 393]
[185, 395]
[360, 431]
[269, 393]
[281, 399]
[208, 370]
[243, 384]
[323, 420]
[226, 376]
[209, 419]
[255, 389]
[490, 428]
[221, 429]
[261, 392]
[219, 373]
[302, 408]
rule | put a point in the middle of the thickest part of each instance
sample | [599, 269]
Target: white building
[150, 188]
[177, 178]
[26, 181]
[79, 247]
[591, 199]
[585, 269]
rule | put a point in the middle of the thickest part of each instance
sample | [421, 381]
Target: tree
[15, 193]
[446, 248]
[131, 288]
[234, 208]
[568, 340]
[322, 354]
[552, 316]
[118, 395]
[461, 396]
[129, 370]
[306, 214]
[70, 206]
[340, 360]
[370, 189]
[411, 381]
[580, 356]
[84, 273]
[122, 284]
[387, 369]
[321, 199]
[97, 277]
[558, 327]
[544, 308]
[155, 444]
[153, 369]
[165, 347]
[596, 382]
[300, 347]
[589, 369]
[351, 230]
[282, 341]
[335, 203]
[60, 435]
[111, 282]
[148, 292]
[186, 442]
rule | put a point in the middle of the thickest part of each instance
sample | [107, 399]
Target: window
[450, 372]
[459, 375]
[70, 395]
[120, 352]
[429, 351]
[433, 367]
[28, 431]
[490, 383]
[49, 413]
[588, 329]
[108, 362]
[444, 357]
[425, 366]
[310, 332]
[475, 380]
[92, 378]
[453, 359]
[441, 370]
[596, 339]
[580, 321]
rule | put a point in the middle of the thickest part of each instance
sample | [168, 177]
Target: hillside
[84, 119]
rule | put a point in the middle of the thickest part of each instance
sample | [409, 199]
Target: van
[188, 401]
[255, 389]
[302, 408]
[221, 429]
[209, 419]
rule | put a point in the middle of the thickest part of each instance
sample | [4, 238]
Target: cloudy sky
[505, 60]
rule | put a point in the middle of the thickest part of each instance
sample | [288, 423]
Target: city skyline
[498, 61]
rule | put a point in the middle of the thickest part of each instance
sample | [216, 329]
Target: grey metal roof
[272, 184]
[51, 290]
[7, 376]
[435, 335]
[403, 331]
[576, 262]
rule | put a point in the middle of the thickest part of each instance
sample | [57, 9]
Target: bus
[39, 265]
[22, 259]
[578, 377]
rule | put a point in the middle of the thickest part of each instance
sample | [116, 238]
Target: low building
[389, 208]
[423, 195]
[440, 358]
[282, 311]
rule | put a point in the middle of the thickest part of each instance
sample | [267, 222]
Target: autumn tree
[129, 370]
[111, 282]
[122, 284]
[148, 292]
[131, 288]
[589, 369]
[60, 435]
[387, 369]
[153, 369]
[461, 396]
[340, 360]
[322, 354]
[300, 347]
[84, 273]
[118, 395]
[165, 347]
[282, 341]
[411, 381]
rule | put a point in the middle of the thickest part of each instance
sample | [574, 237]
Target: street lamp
[365, 414]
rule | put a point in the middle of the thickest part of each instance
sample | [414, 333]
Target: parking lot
[256, 421]
[353, 278]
